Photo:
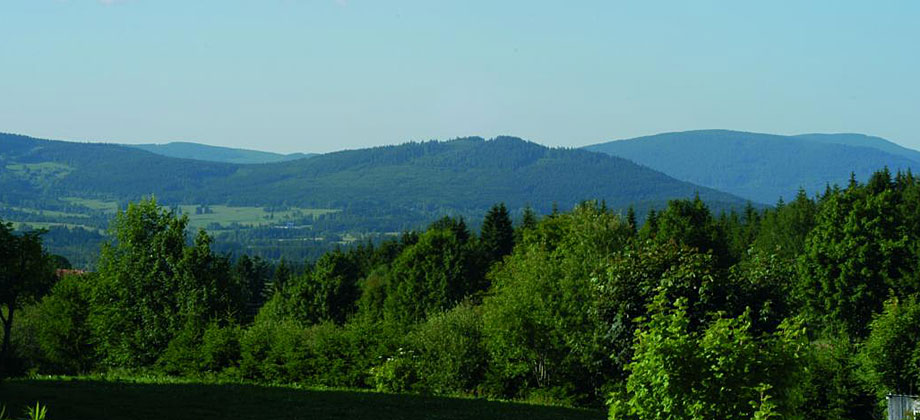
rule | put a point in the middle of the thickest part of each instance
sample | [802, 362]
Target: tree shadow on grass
[124, 400]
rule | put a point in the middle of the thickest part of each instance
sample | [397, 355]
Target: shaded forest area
[806, 310]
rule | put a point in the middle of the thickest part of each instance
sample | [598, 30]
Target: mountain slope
[187, 150]
[465, 175]
[759, 167]
[862, 140]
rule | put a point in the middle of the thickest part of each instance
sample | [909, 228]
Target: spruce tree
[497, 235]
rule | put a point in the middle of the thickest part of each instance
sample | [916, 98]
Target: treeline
[806, 310]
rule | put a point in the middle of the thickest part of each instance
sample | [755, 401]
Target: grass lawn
[93, 399]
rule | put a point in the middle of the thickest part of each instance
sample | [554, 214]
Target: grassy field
[220, 214]
[94, 399]
[47, 225]
[49, 213]
[92, 204]
[40, 170]
[247, 216]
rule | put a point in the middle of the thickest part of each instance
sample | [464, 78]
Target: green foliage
[689, 223]
[860, 248]
[431, 276]
[833, 390]
[539, 332]
[632, 279]
[61, 328]
[889, 359]
[330, 292]
[724, 371]
[784, 228]
[32, 412]
[154, 293]
[26, 273]
[445, 355]
[690, 317]
[497, 234]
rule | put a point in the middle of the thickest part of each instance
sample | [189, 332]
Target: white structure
[903, 407]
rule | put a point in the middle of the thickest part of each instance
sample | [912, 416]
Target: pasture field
[48, 225]
[49, 213]
[84, 399]
[93, 204]
[247, 216]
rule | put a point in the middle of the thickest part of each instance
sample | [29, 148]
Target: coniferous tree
[497, 237]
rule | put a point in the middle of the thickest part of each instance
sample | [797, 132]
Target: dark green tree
[859, 250]
[433, 275]
[330, 292]
[497, 235]
[26, 273]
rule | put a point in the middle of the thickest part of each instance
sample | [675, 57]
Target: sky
[325, 75]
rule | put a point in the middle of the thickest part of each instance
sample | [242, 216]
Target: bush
[451, 356]
[723, 371]
[397, 373]
[275, 351]
[889, 359]
[52, 336]
[220, 347]
[443, 355]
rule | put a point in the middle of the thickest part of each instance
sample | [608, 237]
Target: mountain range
[464, 175]
[198, 151]
[763, 167]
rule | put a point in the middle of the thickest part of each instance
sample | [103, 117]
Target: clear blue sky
[323, 75]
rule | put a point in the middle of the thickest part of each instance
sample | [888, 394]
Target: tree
[689, 222]
[153, 288]
[497, 237]
[329, 293]
[859, 252]
[431, 276]
[540, 331]
[889, 359]
[26, 272]
[724, 371]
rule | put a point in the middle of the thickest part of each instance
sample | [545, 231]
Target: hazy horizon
[317, 76]
[257, 149]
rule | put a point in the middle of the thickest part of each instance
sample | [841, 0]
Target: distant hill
[862, 140]
[762, 167]
[464, 175]
[187, 150]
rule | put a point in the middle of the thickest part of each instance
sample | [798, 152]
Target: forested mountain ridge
[862, 140]
[198, 151]
[469, 173]
[762, 167]
[36, 167]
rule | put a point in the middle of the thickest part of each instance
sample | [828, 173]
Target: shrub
[451, 357]
[220, 347]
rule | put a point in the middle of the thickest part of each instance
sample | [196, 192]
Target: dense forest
[197, 151]
[806, 310]
[73, 190]
[762, 167]
[412, 177]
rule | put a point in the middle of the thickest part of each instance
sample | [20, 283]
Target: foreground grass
[102, 399]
